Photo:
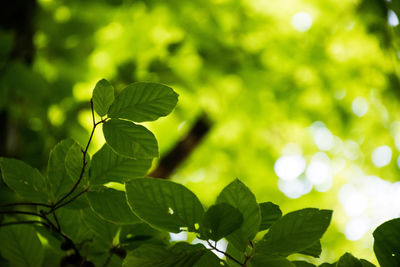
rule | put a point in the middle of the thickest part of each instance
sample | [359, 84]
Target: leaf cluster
[72, 216]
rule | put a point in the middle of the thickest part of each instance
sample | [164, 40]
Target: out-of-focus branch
[182, 150]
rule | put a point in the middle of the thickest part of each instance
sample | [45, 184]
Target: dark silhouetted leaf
[239, 196]
[219, 221]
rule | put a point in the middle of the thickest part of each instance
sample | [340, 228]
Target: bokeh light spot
[289, 167]
[381, 156]
[359, 106]
[393, 20]
[302, 21]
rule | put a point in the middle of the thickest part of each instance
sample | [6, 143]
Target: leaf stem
[24, 222]
[22, 212]
[71, 199]
[223, 252]
[24, 204]
[59, 203]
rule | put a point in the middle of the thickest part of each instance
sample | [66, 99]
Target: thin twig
[22, 212]
[24, 204]
[56, 220]
[223, 252]
[108, 260]
[24, 222]
[84, 163]
[71, 199]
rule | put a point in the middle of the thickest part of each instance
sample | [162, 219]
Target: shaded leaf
[111, 205]
[74, 163]
[219, 221]
[180, 255]
[108, 166]
[239, 196]
[72, 225]
[103, 97]
[104, 230]
[314, 250]
[387, 243]
[24, 180]
[348, 260]
[21, 246]
[135, 235]
[270, 213]
[130, 140]
[144, 102]
[164, 204]
[58, 180]
[260, 260]
[302, 264]
[209, 259]
[295, 232]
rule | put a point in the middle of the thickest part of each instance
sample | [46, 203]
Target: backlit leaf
[111, 205]
[164, 204]
[20, 245]
[295, 232]
[24, 180]
[108, 166]
[143, 102]
[270, 213]
[103, 97]
[130, 140]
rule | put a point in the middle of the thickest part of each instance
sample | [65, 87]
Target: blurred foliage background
[302, 96]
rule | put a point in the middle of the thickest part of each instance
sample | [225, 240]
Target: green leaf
[58, 180]
[209, 259]
[314, 250]
[130, 140]
[104, 230]
[74, 163]
[21, 246]
[348, 260]
[72, 225]
[146, 256]
[302, 264]
[235, 253]
[219, 221]
[270, 213]
[24, 180]
[111, 205]
[108, 166]
[134, 235]
[365, 263]
[103, 97]
[239, 196]
[260, 260]
[326, 264]
[164, 204]
[180, 255]
[295, 232]
[143, 102]
[387, 243]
